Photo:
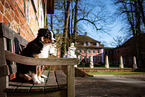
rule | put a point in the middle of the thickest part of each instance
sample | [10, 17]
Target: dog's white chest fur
[45, 51]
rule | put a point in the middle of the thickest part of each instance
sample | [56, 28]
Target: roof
[131, 41]
[90, 47]
[84, 38]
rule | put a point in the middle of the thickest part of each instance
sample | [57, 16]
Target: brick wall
[88, 54]
[13, 13]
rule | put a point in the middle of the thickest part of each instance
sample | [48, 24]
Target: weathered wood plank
[3, 79]
[40, 61]
[24, 87]
[51, 84]
[13, 86]
[37, 89]
[10, 89]
[61, 79]
[14, 83]
[51, 80]
[70, 81]
[40, 87]
[4, 70]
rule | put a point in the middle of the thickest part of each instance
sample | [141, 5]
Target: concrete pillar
[91, 62]
[121, 62]
[107, 62]
[134, 63]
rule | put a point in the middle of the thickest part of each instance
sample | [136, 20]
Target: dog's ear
[52, 34]
[41, 32]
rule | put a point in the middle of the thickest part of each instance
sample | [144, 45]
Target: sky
[113, 29]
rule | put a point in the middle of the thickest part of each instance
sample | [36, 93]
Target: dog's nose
[54, 40]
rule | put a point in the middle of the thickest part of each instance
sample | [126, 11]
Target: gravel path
[110, 86]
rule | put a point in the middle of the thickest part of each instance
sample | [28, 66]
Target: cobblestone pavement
[109, 86]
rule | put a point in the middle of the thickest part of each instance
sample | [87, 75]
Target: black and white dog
[38, 48]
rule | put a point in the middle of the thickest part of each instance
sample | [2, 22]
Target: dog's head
[46, 36]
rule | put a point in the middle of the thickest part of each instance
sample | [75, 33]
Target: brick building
[25, 17]
[88, 47]
[127, 51]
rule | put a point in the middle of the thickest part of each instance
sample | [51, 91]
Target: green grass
[115, 73]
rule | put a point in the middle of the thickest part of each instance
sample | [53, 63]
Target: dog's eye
[48, 36]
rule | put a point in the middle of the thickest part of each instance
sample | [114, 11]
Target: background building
[87, 48]
[127, 51]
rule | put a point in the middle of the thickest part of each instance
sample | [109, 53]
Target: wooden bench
[56, 85]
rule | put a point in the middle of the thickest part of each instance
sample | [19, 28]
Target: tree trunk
[65, 32]
[138, 36]
[51, 22]
[72, 19]
[75, 18]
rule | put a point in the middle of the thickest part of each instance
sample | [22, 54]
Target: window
[89, 50]
[117, 62]
[97, 44]
[28, 11]
[123, 50]
[85, 51]
[123, 60]
[107, 52]
[114, 61]
[80, 58]
[88, 43]
[41, 15]
[130, 60]
[98, 58]
[93, 50]
[80, 50]
[118, 51]
[93, 58]
[84, 43]
[24, 7]
[35, 2]
[90, 58]
[110, 52]
[98, 50]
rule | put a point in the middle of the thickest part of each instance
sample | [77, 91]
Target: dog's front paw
[41, 79]
[36, 82]
[43, 76]
[35, 79]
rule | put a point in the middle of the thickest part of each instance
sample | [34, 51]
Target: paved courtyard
[110, 86]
